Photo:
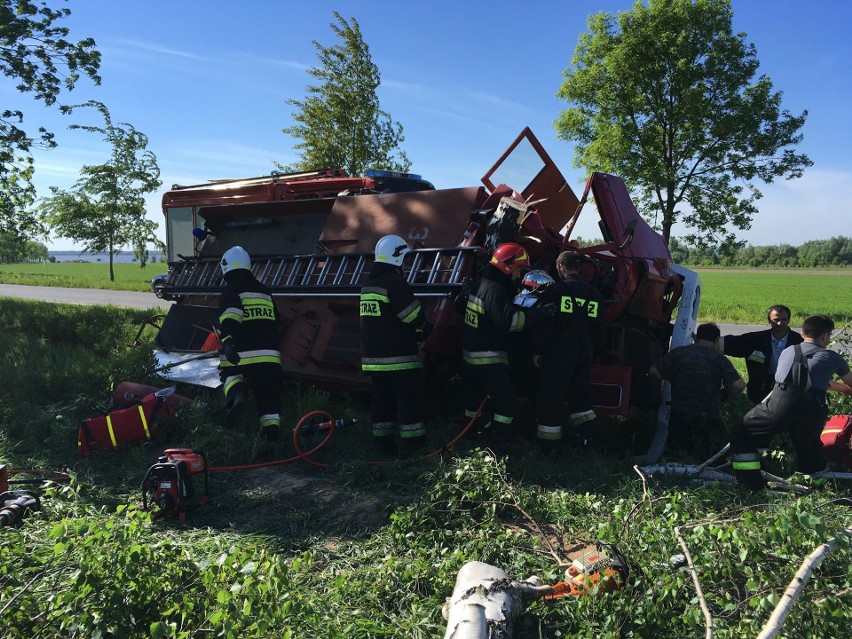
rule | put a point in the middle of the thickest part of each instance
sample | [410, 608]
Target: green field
[743, 297]
[128, 277]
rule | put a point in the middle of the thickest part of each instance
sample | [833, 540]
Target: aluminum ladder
[430, 272]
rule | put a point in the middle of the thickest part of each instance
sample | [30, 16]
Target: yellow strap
[111, 432]
[144, 422]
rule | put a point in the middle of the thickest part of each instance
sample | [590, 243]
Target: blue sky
[207, 82]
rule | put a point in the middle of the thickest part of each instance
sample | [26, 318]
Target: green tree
[105, 210]
[35, 52]
[340, 123]
[665, 96]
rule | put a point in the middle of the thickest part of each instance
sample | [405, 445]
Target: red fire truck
[311, 237]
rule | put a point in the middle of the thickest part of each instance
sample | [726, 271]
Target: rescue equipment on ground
[168, 484]
[14, 504]
[130, 421]
[836, 440]
[595, 569]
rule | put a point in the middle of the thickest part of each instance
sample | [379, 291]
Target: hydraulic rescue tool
[169, 483]
[14, 504]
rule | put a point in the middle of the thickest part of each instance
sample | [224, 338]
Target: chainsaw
[595, 569]
[168, 484]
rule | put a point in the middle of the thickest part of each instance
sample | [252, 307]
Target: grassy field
[128, 277]
[743, 296]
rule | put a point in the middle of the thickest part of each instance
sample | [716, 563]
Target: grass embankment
[359, 550]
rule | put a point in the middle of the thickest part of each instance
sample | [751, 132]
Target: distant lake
[125, 257]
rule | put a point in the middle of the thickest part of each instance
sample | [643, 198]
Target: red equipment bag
[130, 425]
[837, 440]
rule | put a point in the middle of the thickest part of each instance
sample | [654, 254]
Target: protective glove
[424, 331]
[231, 353]
[460, 300]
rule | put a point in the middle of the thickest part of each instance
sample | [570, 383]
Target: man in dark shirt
[697, 374]
[799, 409]
[761, 350]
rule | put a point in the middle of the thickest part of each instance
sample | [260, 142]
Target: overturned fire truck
[311, 237]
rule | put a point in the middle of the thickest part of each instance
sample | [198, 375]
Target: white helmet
[235, 258]
[391, 249]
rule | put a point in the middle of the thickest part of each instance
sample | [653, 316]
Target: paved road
[87, 296]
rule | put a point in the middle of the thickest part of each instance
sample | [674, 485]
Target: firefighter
[566, 359]
[250, 355]
[392, 323]
[489, 318]
[796, 405]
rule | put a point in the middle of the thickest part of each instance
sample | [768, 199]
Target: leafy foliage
[106, 208]
[340, 123]
[835, 251]
[34, 51]
[665, 96]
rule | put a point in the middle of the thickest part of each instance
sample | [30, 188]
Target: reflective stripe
[270, 419]
[255, 295]
[412, 430]
[144, 422]
[231, 313]
[375, 297]
[518, 321]
[503, 419]
[478, 358]
[408, 314]
[261, 356]
[384, 429]
[111, 431]
[745, 465]
[401, 366]
[549, 432]
[745, 461]
[232, 381]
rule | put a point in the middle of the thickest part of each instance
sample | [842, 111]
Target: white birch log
[485, 602]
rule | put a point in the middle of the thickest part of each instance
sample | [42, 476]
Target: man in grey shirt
[794, 407]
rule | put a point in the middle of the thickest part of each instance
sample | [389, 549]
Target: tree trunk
[111, 273]
[485, 602]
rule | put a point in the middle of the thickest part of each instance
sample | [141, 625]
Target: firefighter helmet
[532, 286]
[535, 281]
[391, 249]
[235, 258]
[509, 257]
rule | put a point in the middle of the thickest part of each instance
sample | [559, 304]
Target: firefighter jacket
[489, 318]
[390, 317]
[248, 319]
[579, 317]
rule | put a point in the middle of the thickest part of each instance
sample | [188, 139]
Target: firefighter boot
[411, 437]
[383, 438]
[235, 408]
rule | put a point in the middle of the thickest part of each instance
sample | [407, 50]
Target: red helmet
[510, 257]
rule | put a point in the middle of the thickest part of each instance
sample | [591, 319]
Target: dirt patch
[338, 503]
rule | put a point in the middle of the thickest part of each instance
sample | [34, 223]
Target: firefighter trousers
[264, 380]
[397, 407]
[494, 380]
[803, 415]
[565, 374]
